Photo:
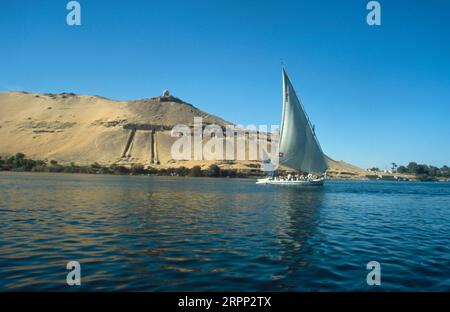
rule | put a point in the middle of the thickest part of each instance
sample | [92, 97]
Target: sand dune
[85, 129]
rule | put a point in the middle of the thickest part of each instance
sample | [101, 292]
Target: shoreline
[244, 177]
[19, 163]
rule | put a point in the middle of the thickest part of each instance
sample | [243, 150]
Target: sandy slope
[86, 129]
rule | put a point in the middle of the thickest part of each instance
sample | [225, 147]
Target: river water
[204, 234]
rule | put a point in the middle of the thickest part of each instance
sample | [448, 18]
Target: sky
[376, 94]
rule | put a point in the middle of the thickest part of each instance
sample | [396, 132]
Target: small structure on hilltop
[167, 97]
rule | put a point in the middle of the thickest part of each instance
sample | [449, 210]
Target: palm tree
[394, 167]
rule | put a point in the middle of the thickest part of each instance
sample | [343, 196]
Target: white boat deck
[310, 182]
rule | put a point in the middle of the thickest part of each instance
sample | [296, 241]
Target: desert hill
[85, 129]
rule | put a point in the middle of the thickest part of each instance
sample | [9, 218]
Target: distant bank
[92, 134]
[20, 163]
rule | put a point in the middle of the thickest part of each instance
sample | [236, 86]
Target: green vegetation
[213, 171]
[19, 162]
[195, 171]
[425, 172]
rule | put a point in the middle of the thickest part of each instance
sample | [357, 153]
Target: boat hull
[299, 183]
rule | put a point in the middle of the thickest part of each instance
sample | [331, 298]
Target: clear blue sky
[376, 94]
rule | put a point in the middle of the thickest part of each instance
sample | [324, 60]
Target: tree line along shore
[20, 163]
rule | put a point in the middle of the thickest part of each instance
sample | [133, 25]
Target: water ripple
[159, 234]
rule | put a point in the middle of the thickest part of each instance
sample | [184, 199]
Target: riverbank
[20, 163]
[120, 136]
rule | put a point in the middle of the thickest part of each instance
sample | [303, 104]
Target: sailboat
[298, 148]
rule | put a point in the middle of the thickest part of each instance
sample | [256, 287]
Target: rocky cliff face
[86, 129]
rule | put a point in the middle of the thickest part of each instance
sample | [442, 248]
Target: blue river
[203, 234]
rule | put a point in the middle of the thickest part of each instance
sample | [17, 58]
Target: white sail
[299, 148]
